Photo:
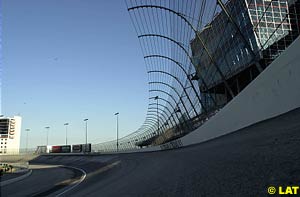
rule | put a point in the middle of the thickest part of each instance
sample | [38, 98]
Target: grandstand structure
[199, 55]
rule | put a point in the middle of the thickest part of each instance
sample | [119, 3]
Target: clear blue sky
[66, 60]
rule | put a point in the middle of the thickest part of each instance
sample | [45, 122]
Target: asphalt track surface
[44, 180]
[244, 163]
[9, 176]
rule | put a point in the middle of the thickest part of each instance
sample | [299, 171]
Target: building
[236, 51]
[10, 134]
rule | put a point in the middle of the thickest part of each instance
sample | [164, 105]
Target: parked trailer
[55, 149]
[66, 149]
[86, 148]
[60, 149]
[79, 148]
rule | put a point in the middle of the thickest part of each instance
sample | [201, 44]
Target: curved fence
[199, 55]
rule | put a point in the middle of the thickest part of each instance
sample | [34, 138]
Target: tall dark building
[237, 55]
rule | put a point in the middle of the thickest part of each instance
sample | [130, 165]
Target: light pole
[66, 124]
[117, 114]
[86, 132]
[47, 135]
[27, 130]
[156, 98]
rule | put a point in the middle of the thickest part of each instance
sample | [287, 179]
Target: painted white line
[10, 181]
[75, 185]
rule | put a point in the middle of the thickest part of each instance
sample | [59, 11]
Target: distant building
[10, 134]
[267, 27]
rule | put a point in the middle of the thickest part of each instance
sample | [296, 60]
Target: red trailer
[56, 149]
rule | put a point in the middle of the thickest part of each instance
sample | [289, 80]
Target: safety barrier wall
[275, 91]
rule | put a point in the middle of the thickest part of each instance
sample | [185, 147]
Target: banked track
[243, 163]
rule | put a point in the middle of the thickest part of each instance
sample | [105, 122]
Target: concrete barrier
[274, 92]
